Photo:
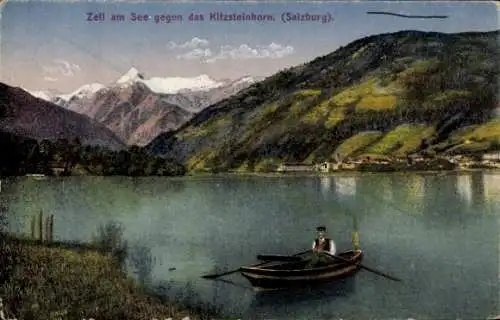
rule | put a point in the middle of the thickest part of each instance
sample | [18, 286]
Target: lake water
[439, 233]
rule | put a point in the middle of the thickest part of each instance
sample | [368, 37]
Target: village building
[295, 167]
[327, 166]
[304, 167]
[491, 156]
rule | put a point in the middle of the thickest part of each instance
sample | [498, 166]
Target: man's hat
[321, 228]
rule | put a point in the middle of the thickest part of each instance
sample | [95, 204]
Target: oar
[270, 257]
[217, 275]
[363, 267]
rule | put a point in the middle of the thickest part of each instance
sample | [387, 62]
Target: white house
[492, 156]
[295, 167]
[327, 166]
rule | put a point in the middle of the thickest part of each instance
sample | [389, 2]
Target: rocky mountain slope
[138, 109]
[383, 95]
[24, 115]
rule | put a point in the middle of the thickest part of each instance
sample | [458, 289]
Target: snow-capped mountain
[137, 109]
[29, 116]
[133, 75]
[84, 91]
[42, 95]
[170, 85]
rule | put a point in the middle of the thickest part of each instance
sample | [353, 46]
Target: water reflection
[457, 199]
[385, 189]
[270, 305]
[141, 263]
[477, 190]
[491, 186]
[199, 225]
[330, 291]
[345, 186]
[464, 187]
[415, 190]
[326, 186]
[441, 201]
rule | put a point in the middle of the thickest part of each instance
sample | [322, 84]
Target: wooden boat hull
[286, 275]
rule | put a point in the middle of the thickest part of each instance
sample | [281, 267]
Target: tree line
[21, 156]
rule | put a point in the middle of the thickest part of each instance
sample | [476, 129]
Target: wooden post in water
[40, 225]
[355, 235]
[32, 225]
[47, 228]
[51, 228]
[355, 240]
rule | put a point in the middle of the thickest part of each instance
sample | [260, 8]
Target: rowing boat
[281, 275]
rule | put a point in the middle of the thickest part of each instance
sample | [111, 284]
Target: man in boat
[320, 245]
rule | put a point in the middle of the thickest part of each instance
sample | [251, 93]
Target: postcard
[249, 160]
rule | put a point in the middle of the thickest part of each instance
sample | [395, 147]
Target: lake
[439, 233]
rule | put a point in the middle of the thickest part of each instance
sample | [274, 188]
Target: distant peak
[40, 94]
[246, 78]
[171, 85]
[95, 86]
[131, 75]
[204, 77]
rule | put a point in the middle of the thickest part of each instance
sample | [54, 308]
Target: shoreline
[89, 269]
[344, 172]
[209, 173]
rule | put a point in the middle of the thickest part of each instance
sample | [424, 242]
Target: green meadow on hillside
[387, 95]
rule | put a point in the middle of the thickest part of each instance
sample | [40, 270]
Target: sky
[52, 45]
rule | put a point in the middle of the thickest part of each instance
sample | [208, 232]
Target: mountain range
[139, 109]
[384, 95]
[22, 114]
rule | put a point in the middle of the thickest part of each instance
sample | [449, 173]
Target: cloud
[50, 79]
[190, 44]
[198, 49]
[244, 52]
[59, 68]
[196, 54]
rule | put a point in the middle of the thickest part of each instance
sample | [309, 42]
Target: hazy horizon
[51, 45]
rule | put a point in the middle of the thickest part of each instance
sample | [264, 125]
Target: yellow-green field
[307, 93]
[199, 161]
[487, 131]
[206, 128]
[335, 117]
[302, 100]
[357, 143]
[403, 139]
[376, 103]
[417, 67]
[477, 137]
[319, 112]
